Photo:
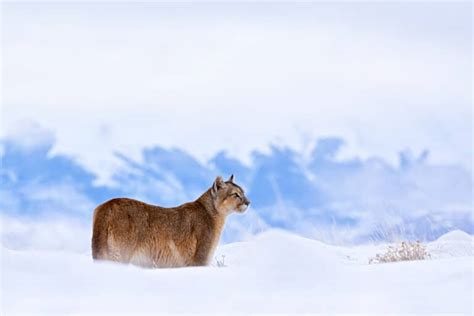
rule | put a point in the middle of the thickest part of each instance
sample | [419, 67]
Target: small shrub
[221, 263]
[406, 251]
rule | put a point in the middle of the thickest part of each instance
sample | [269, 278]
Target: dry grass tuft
[221, 263]
[406, 251]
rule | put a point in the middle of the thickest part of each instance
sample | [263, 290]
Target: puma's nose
[247, 202]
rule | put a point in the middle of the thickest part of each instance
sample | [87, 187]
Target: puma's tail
[100, 234]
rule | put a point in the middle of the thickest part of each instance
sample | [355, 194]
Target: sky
[345, 122]
[107, 78]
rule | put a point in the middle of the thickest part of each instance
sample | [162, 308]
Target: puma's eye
[236, 195]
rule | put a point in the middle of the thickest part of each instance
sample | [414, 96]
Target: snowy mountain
[312, 194]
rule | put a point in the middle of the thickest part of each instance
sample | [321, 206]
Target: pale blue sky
[208, 77]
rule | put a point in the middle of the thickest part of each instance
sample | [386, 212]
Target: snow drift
[275, 272]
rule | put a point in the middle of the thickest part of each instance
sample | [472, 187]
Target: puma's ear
[231, 179]
[217, 185]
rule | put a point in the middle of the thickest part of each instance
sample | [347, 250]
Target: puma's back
[130, 231]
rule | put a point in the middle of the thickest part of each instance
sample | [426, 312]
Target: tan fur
[130, 231]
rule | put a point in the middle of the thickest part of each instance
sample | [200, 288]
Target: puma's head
[228, 197]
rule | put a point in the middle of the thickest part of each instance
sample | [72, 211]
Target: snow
[453, 244]
[274, 272]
